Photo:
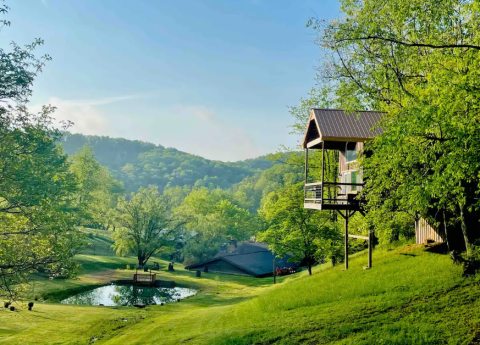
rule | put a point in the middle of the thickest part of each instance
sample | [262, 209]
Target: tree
[217, 213]
[419, 62]
[201, 248]
[146, 224]
[36, 223]
[295, 230]
[216, 216]
[97, 191]
[252, 190]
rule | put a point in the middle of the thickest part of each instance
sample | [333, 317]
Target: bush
[128, 267]
[6, 304]
[90, 235]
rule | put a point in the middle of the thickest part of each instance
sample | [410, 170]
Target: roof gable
[337, 125]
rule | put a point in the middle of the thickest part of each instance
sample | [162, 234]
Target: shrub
[128, 267]
[90, 235]
[6, 304]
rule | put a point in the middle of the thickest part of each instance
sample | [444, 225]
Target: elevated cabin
[330, 129]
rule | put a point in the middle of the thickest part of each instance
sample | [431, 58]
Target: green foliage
[97, 192]
[418, 61]
[411, 296]
[292, 229]
[217, 213]
[214, 215]
[322, 97]
[252, 190]
[201, 248]
[139, 164]
[36, 228]
[146, 224]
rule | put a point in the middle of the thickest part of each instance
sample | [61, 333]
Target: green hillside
[139, 164]
[99, 242]
[411, 296]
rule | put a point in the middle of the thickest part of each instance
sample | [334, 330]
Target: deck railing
[332, 193]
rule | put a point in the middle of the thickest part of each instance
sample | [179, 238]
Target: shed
[248, 259]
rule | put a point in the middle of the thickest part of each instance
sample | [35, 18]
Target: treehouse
[329, 129]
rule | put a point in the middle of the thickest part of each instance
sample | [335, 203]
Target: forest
[63, 193]
[140, 164]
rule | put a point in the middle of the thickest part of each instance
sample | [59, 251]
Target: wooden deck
[144, 278]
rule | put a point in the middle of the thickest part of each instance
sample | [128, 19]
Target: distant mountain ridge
[139, 164]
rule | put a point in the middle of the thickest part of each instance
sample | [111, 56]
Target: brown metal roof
[336, 125]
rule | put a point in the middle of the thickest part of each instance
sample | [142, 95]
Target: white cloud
[86, 115]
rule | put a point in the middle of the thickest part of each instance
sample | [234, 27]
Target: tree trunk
[447, 240]
[309, 267]
[464, 229]
[141, 260]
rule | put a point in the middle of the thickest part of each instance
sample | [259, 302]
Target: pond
[128, 295]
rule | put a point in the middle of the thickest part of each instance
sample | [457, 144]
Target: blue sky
[209, 77]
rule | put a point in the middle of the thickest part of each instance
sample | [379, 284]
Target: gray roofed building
[248, 259]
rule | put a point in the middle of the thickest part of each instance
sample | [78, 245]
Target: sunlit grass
[410, 296]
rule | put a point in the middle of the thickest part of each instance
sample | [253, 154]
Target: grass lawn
[411, 296]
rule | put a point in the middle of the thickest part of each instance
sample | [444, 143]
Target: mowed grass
[411, 296]
[99, 242]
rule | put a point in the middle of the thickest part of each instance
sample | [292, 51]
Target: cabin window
[351, 152]
[349, 177]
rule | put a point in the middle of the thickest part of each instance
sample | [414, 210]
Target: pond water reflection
[127, 295]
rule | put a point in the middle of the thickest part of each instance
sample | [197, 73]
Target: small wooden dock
[144, 278]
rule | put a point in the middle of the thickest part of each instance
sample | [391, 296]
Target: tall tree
[419, 62]
[36, 228]
[295, 230]
[146, 224]
[216, 216]
[97, 191]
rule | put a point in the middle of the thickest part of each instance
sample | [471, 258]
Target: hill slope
[409, 297]
[139, 164]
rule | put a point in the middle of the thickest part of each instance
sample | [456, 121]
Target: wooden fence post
[370, 238]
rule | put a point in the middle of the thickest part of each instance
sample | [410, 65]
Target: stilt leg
[346, 240]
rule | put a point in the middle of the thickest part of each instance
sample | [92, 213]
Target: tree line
[140, 164]
[414, 60]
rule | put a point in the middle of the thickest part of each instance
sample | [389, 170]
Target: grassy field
[99, 242]
[411, 296]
